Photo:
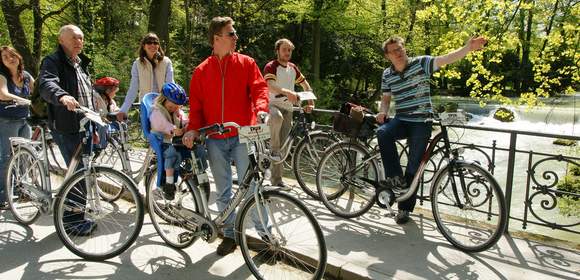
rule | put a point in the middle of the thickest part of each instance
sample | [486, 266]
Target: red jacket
[230, 90]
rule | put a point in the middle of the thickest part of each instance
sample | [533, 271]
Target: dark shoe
[284, 187]
[169, 191]
[227, 246]
[4, 206]
[83, 228]
[402, 217]
[397, 184]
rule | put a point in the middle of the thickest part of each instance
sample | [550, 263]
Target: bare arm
[306, 86]
[384, 109]
[5, 95]
[474, 44]
[273, 87]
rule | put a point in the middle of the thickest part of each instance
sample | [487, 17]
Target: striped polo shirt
[411, 88]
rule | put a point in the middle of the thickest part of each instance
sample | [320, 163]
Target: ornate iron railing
[535, 200]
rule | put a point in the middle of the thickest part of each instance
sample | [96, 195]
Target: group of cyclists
[226, 87]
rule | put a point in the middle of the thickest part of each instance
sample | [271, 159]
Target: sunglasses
[152, 42]
[231, 34]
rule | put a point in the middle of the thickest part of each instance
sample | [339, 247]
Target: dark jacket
[57, 78]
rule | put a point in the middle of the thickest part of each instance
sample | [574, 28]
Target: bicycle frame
[299, 128]
[252, 173]
[124, 147]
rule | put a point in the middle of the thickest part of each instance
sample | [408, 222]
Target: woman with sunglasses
[150, 71]
[15, 88]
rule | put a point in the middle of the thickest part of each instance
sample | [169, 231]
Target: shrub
[504, 115]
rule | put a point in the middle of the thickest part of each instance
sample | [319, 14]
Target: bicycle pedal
[184, 237]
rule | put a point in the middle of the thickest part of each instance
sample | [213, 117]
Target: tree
[159, 15]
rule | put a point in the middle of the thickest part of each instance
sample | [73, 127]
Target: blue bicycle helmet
[174, 93]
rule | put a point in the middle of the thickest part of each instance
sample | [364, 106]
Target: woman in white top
[150, 71]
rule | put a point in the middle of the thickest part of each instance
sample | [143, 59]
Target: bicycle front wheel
[344, 180]
[110, 156]
[25, 171]
[282, 240]
[468, 206]
[91, 227]
[306, 158]
[173, 219]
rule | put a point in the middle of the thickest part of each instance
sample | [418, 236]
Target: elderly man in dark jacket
[64, 82]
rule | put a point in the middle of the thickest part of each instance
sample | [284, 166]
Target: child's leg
[171, 156]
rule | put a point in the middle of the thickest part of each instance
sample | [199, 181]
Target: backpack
[38, 106]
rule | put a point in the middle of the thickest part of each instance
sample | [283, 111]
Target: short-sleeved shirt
[19, 112]
[285, 77]
[411, 88]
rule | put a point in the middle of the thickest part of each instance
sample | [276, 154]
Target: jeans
[67, 144]
[9, 128]
[417, 135]
[280, 126]
[171, 157]
[221, 152]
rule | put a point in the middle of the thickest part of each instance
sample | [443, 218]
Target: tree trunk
[17, 34]
[413, 11]
[159, 13]
[188, 40]
[549, 27]
[318, 10]
[107, 12]
[526, 67]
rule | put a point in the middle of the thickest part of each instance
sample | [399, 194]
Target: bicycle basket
[353, 123]
[345, 124]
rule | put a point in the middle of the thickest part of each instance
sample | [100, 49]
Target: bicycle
[30, 194]
[117, 152]
[468, 204]
[267, 224]
[310, 146]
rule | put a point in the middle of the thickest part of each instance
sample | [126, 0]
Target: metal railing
[534, 197]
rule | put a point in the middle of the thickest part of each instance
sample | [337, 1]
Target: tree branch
[59, 11]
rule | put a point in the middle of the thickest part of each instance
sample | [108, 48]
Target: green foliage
[504, 114]
[569, 205]
[512, 64]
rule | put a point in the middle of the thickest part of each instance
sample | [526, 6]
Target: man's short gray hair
[67, 28]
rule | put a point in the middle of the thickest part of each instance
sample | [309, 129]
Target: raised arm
[133, 88]
[474, 44]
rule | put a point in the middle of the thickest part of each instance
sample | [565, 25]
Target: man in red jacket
[226, 87]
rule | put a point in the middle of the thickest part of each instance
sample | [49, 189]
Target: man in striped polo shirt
[407, 80]
[282, 75]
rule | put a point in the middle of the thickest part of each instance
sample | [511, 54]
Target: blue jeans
[171, 157]
[9, 128]
[417, 135]
[221, 152]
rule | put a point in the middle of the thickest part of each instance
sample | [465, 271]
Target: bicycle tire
[345, 194]
[170, 218]
[475, 227]
[118, 222]
[306, 158]
[24, 168]
[109, 157]
[289, 220]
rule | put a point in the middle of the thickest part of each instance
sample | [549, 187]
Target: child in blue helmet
[168, 120]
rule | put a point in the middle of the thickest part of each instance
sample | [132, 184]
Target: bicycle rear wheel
[474, 217]
[306, 158]
[25, 171]
[344, 180]
[172, 219]
[114, 224]
[291, 247]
